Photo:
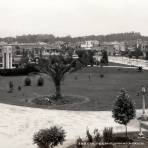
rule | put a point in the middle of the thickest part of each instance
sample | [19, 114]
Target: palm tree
[56, 67]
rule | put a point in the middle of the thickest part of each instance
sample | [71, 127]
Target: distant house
[108, 47]
[88, 45]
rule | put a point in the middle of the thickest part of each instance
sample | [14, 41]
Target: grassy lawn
[100, 91]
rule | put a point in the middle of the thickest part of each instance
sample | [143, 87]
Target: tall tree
[104, 58]
[123, 109]
[56, 67]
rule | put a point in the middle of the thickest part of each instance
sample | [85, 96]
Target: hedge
[18, 71]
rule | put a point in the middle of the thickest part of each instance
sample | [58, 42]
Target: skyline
[72, 17]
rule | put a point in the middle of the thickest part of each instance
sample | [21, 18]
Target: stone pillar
[7, 57]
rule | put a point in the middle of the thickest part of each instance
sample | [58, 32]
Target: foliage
[40, 81]
[85, 57]
[136, 53]
[146, 57]
[139, 68]
[97, 137]
[27, 81]
[18, 71]
[11, 86]
[89, 136]
[33, 38]
[57, 68]
[79, 143]
[108, 134]
[19, 88]
[101, 75]
[104, 58]
[49, 138]
[119, 139]
[123, 109]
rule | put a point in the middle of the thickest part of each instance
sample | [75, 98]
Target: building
[144, 49]
[15, 54]
[88, 45]
[5, 57]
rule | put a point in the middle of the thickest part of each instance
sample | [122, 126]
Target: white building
[5, 57]
[90, 44]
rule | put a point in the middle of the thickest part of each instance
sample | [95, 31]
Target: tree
[123, 109]
[56, 67]
[104, 59]
[48, 138]
[83, 57]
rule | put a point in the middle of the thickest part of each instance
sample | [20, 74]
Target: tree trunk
[58, 91]
[43, 146]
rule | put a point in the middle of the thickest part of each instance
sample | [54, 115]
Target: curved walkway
[18, 124]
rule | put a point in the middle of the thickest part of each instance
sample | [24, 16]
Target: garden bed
[65, 100]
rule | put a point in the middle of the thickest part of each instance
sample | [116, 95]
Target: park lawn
[87, 82]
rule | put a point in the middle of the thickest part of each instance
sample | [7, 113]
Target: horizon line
[72, 36]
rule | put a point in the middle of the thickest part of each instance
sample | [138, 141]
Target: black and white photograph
[73, 73]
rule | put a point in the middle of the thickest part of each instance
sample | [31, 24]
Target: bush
[27, 81]
[89, 136]
[101, 75]
[79, 143]
[40, 81]
[43, 100]
[139, 69]
[18, 71]
[11, 86]
[19, 88]
[49, 137]
[119, 139]
[97, 137]
[108, 134]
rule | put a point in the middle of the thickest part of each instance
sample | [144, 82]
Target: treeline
[49, 38]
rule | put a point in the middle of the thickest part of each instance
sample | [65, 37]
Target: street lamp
[140, 130]
[143, 91]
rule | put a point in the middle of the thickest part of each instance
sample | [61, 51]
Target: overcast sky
[72, 17]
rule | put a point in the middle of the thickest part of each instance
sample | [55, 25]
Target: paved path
[18, 124]
[129, 61]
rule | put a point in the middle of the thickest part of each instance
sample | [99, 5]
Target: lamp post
[140, 130]
[143, 90]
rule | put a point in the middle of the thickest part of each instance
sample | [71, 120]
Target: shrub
[79, 143]
[51, 137]
[11, 86]
[27, 81]
[97, 137]
[108, 134]
[89, 136]
[119, 139]
[101, 75]
[43, 100]
[19, 71]
[40, 81]
[19, 88]
[139, 69]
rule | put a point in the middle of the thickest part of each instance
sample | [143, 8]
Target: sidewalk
[18, 124]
